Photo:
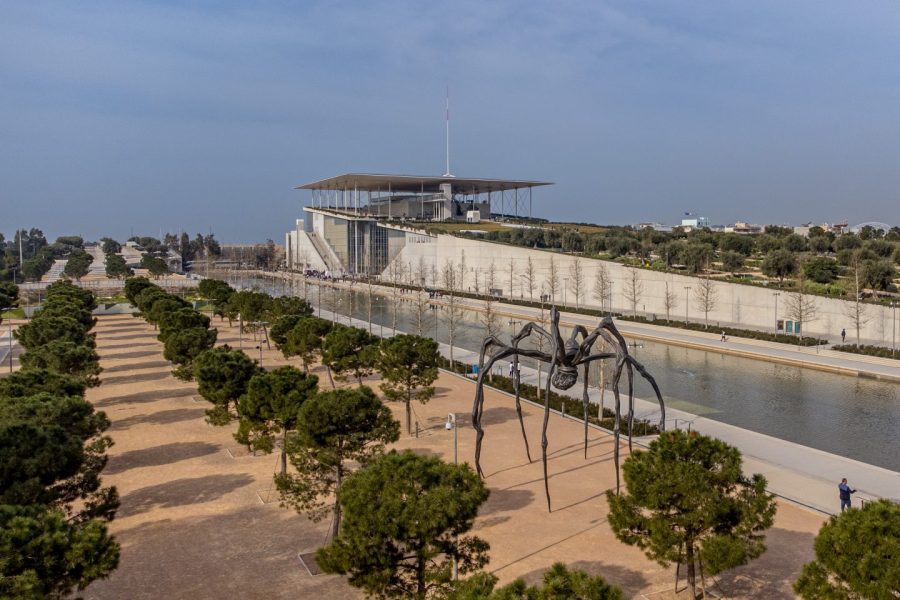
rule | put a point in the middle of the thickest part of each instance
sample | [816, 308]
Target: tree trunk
[691, 574]
[284, 452]
[330, 378]
[336, 526]
[408, 417]
[420, 577]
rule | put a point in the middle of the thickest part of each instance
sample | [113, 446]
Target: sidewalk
[801, 474]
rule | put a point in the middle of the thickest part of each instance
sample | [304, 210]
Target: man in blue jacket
[845, 493]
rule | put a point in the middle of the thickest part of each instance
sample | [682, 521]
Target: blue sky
[120, 116]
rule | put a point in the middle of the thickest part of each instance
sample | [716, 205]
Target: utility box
[473, 216]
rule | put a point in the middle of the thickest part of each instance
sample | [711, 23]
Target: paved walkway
[198, 519]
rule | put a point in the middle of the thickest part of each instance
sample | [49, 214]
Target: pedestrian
[723, 335]
[512, 370]
[843, 335]
[845, 492]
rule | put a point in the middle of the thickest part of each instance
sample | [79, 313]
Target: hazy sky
[195, 115]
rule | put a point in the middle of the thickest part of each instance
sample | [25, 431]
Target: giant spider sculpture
[564, 359]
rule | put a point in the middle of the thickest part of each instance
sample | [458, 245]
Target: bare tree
[670, 300]
[450, 279]
[422, 312]
[633, 288]
[553, 279]
[421, 273]
[602, 286]
[530, 277]
[801, 307]
[511, 267]
[576, 280]
[490, 278]
[369, 293]
[488, 318]
[707, 296]
[855, 309]
[395, 276]
[461, 278]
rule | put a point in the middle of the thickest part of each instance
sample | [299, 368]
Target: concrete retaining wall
[736, 305]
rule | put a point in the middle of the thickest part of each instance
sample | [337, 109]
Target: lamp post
[894, 329]
[260, 355]
[10, 338]
[451, 424]
[776, 294]
[687, 288]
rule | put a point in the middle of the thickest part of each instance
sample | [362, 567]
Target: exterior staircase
[328, 256]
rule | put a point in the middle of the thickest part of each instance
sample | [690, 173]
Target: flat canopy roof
[416, 183]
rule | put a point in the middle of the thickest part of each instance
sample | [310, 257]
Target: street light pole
[451, 424]
[10, 338]
[894, 327]
[776, 294]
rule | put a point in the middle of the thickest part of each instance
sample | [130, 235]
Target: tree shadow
[104, 347]
[136, 377]
[491, 521]
[506, 500]
[630, 580]
[136, 335]
[497, 415]
[772, 575]
[135, 354]
[424, 451]
[121, 326]
[148, 396]
[158, 455]
[181, 492]
[163, 417]
[178, 556]
[153, 364]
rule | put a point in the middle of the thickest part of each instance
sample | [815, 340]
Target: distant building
[355, 223]
[654, 226]
[742, 227]
[695, 223]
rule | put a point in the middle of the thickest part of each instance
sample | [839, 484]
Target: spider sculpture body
[564, 359]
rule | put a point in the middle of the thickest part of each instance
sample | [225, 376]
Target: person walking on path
[843, 335]
[845, 492]
[723, 336]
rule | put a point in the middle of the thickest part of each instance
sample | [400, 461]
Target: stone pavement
[198, 518]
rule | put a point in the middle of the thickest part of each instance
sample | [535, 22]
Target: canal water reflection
[854, 417]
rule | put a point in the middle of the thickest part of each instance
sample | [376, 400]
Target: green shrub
[879, 351]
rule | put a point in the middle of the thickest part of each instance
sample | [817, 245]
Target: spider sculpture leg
[516, 382]
[484, 368]
[585, 401]
[544, 442]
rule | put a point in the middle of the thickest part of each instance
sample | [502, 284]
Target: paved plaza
[199, 518]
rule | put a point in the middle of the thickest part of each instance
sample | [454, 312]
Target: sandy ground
[199, 518]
